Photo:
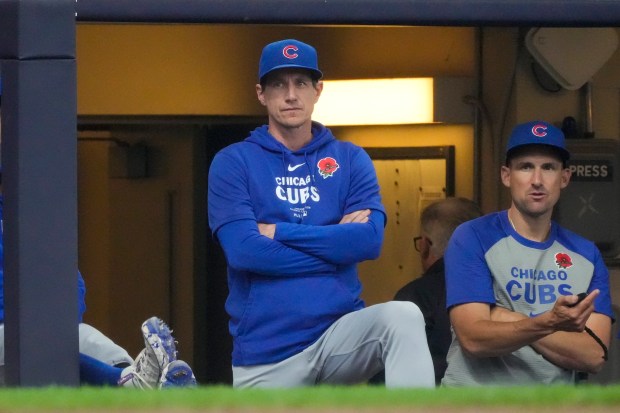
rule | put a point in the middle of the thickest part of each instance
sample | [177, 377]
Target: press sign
[591, 170]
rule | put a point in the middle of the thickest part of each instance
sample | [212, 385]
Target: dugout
[29, 20]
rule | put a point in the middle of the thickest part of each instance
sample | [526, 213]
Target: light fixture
[375, 102]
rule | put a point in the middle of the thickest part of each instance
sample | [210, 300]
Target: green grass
[205, 397]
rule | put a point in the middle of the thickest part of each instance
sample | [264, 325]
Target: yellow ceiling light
[375, 102]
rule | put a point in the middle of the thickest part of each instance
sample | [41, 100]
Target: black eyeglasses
[416, 242]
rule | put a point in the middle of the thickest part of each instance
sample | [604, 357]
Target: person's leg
[353, 350]
[389, 335]
[155, 367]
[97, 373]
[296, 371]
[97, 345]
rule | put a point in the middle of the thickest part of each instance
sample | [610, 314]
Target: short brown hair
[440, 219]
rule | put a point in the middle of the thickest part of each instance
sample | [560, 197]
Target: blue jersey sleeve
[468, 278]
[364, 192]
[247, 250]
[81, 297]
[339, 244]
[600, 280]
[229, 197]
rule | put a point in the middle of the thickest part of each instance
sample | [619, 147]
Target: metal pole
[39, 167]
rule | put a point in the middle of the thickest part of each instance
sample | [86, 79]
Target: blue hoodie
[285, 292]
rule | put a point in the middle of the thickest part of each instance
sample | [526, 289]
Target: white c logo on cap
[289, 52]
[539, 130]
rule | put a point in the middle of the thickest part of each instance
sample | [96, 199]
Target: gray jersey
[488, 262]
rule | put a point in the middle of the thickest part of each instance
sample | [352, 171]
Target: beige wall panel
[533, 102]
[212, 69]
[164, 69]
[606, 99]
[383, 278]
[94, 228]
[401, 182]
[139, 265]
[362, 52]
[461, 136]
[152, 237]
[499, 59]
[136, 236]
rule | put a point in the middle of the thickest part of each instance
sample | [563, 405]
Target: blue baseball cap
[538, 133]
[288, 53]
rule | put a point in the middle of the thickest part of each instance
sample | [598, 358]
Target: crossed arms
[558, 334]
[288, 249]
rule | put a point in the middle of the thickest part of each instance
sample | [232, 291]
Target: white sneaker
[159, 351]
[177, 374]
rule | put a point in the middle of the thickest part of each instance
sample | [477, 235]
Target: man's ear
[426, 249]
[505, 175]
[319, 90]
[566, 174]
[259, 94]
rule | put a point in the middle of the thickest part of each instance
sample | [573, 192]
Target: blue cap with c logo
[538, 133]
[288, 53]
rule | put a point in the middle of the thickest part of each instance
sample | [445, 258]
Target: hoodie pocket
[284, 307]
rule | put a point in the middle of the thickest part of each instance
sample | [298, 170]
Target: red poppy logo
[563, 260]
[327, 167]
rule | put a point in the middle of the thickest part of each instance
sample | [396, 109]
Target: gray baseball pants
[388, 336]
